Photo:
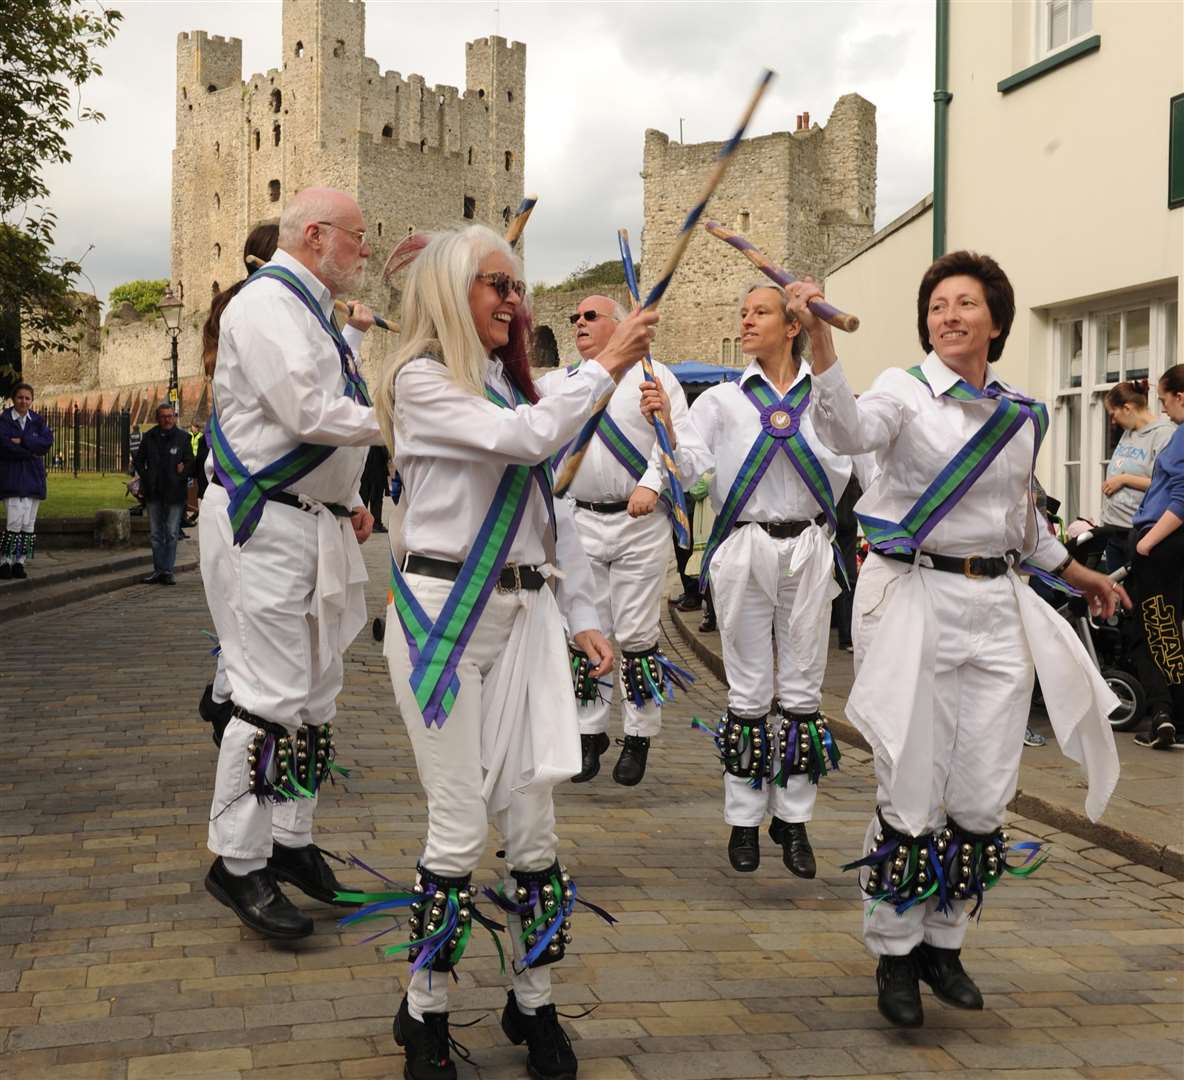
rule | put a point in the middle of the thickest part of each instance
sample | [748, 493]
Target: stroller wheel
[1131, 699]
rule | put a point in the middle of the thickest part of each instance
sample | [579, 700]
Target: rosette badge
[779, 422]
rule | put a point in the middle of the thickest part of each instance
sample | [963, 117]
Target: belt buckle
[517, 572]
[968, 567]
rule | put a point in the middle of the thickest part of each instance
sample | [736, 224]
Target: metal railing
[89, 440]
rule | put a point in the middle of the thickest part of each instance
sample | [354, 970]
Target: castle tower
[805, 198]
[495, 72]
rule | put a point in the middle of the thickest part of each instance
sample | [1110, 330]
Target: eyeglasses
[503, 284]
[588, 316]
[357, 234]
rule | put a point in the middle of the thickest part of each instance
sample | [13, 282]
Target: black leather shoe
[708, 625]
[549, 1052]
[744, 848]
[305, 867]
[899, 995]
[258, 901]
[796, 852]
[689, 603]
[155, 578]
[215, 713]
[591, 747]
[18, 571]
[426, 1043]
[942, 969]
[630, 766]
[5, 571]
[168, 579]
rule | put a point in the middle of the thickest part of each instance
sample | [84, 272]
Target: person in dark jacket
[164, 462]
[25, 439]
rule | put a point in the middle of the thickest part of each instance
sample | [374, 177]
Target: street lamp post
[170, 311]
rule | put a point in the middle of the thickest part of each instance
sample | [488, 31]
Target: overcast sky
[598, 75]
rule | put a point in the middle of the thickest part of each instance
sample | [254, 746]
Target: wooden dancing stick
[343, 309]
[826, 312]
[723, 159]
[514, 231]
[682, 521]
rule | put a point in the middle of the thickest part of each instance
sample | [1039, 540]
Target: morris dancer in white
[946, 634]
[474, 639]
[283, 575]
[616, 491]
[770, 563]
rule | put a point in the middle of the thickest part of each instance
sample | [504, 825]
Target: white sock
[242, 867]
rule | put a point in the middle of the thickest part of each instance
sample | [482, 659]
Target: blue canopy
[693, 371]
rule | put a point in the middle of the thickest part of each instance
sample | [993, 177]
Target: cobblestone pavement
[115, 963]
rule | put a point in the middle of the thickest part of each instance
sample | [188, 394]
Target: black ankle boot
[591, 747]
[942, 969]
[744, 848]
[796, 852]
[899, 997]
[257, 900]
[305, 867]
[630, 766]
[550, 1056]
[426, 1043]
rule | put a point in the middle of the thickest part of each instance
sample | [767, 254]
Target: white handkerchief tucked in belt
[339, 599]
[749, 554]
[812, 562]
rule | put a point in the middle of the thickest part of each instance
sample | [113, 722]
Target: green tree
[47, 52]
[142, 295]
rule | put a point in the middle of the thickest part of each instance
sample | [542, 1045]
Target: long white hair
[436, 319]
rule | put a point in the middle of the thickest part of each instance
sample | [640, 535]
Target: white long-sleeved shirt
[724, 426]
[279, 383]
[914, 433]
[451, 448]
[601, 477]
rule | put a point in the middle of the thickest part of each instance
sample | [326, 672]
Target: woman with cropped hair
[947, 637]
[476, 649]
[25, 439]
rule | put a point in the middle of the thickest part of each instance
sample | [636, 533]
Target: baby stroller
[1109, 642]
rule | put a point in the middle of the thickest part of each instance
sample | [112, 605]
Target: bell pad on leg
[802, 746]
[441, 920]
[972, 863]
[649, 675]
[587, 688]
[903, 870]
[743, 745]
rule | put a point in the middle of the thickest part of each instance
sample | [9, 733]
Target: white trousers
[260, 596]
[21, 518]
[516, 655]
[629, 558]
[982, 695]
[757, 614]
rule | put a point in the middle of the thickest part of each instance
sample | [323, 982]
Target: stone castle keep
[806, 198]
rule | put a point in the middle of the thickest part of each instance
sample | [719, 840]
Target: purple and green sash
[248, 492]
[1012, 412]
[436, 647]
[780, 431]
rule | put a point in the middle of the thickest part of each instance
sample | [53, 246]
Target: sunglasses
[589, 316]
[503, 284]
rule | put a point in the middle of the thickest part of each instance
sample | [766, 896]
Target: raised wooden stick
[580, 446]
[514, 231]
[826, 312]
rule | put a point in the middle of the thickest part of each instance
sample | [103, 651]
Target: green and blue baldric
[436, 647]
[1012, 411]
[248, 491]
[781, 421]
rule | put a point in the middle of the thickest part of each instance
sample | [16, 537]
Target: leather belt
[513, 577]
[603, 507]
[782, 530]
[288, 499]
[971, 566]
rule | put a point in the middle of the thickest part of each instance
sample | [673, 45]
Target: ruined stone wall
[804, 198]
[76, 365]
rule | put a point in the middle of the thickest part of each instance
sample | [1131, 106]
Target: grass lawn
[82, 495]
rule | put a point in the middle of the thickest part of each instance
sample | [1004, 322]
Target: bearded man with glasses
[624, 526]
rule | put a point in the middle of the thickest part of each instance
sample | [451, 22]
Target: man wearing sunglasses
[627, 535]
[283, 575]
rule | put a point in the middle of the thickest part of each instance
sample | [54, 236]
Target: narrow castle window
[184, 94]
[215, 289]
[180, 290]
[299, 49]
[217, 251]
[422, 143]
[273, 190]
[277, 99]
[380, 228]
[388, 131]
[506, 215]
[275, 133]
[217, 149]
[470, 155]
[509, 95]
[737, 352]
[726, 351]
[211, 88]
[481, 93]
[339, 48]
[744, 219]
[470, 207]
[256, 138]
[217, 201]
[509, 159]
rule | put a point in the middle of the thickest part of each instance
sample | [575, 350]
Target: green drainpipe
[941, 117]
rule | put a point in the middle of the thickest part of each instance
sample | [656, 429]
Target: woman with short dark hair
[25, 439]
[947, 638]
